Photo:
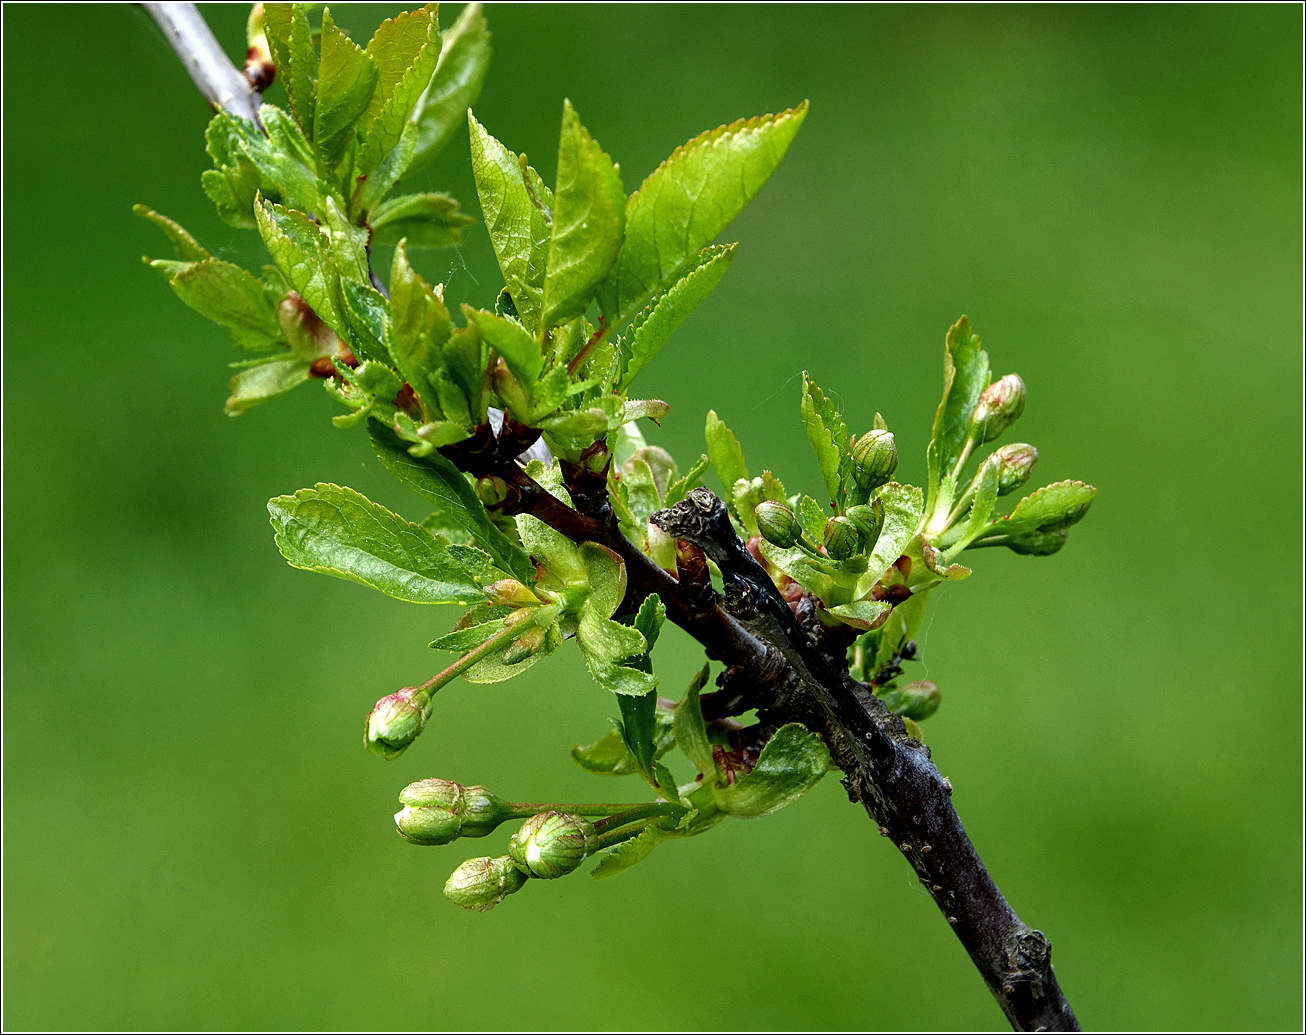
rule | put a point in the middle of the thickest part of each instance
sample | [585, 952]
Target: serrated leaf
[518, 230]
[625, 855]
[191, 250]
[341, 532]
[863, 614]
[437, 480]
[518, 349]
[419, 325]
[693, 478]
[638, 730]
[655, 323]
[965, 376]
[1048, 509]
[688, 200]
[813, 518]
[427, 220]
[291, 41]
[468, 637]
[301, 251]
[981, 507]
[365, 312]
[791, 764]
[828, 436]
[691, 730]
[588, 221]
[442, 109]
[606, 645]
[232, 297]
[284, 157]
[385, 175]
[800, 567]
[266, 381]
[607, 756]
[346, 80]
[724, 451]
[405, 50]
[902, 515]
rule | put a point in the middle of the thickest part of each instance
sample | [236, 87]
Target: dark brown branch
[220, 82]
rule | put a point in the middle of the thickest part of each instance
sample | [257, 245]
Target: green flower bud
[436, 812]
[1015, 462]
[552, 844]
[528, 643]
[841, 538]
[510, 592]
[1039, 543]
[395, 721]
[875, 458]
[778, 524]
[491, 490]
[997, 409]
[868, 519]
[483, 883]
[916, 701]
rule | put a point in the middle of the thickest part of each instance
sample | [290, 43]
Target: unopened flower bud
[395, 721]
[436, 812]
[1038, 543]
[1015, 462]
[491, 490]
[778, 524]
[483, 883]
[997, 409]
[552, 844]
[841, 538]
[528, 643]
[875, 458]
[916, 701]
[868, 519]
[510, 592]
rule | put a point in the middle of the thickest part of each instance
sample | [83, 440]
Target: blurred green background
[193, 834]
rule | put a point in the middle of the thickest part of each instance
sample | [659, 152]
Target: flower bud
[777, 524]
[510, 592]
[436, 812]
[997, 409]
[1039, 543]
[868, 519]
[528, 643]
[491, 490]
[483, 883]
[552, 844]
[841, 538]
[916, 701]
[395, 721]
[875, 458]
[1015, 462]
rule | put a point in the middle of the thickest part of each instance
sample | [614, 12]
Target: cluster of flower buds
[436, 812]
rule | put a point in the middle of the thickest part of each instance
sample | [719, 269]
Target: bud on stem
[483, 883]
[875, 458]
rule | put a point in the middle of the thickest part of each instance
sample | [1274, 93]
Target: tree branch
[220, 82]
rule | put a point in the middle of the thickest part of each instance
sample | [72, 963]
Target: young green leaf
[442, 109]
[828, 435]
[691, 731]
[419, 325]
[965, 376]
[258, 384]
[437, 480]
[625, 855]
[688, 200]
[383, 177]
[346, 81]
[725, 453]
[301, 251]
[232, 297]
[427, 220]
[291, 41]
[191, 250]
[863, 614]
[653, 326]
[340, 532]
[405, 50]
[509, 339]
[791, 764]
[518, 229]
[607, 756]
[588, 221]
[902, 515]
[1049, 509]
[678, 489]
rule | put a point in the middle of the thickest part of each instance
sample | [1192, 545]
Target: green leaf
[693, 478]
[1048, 509]
[981, 507]
[454, 88]
[427, 220]
[341, 532]
[291, 41]
[588, 220]
[348, 244]
[607, 756]
[234, 184]
[691, 731]
[828, 435]
[518, 230]
[265, 381]
[791, 764]
[405, 50]
[232, 297]
[419, 325]
[190, 249]
[625, 855]
[385, 175]
[606, 646]
[863, 614]
[649, 619]
[688, 200]
[802, 568]
[347, 79]
[813, 518]
[902, 515]
[965, 376]
[655, 323]
[519, 350]
[301, 251]
[436, 480]
[638, 729]
[284, 157]
[725, 453]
